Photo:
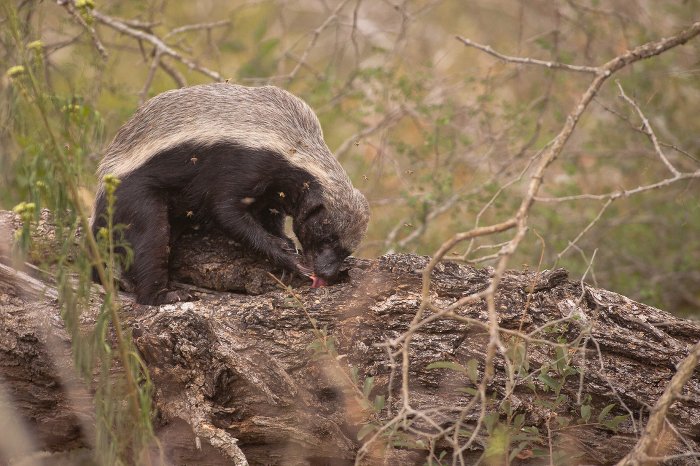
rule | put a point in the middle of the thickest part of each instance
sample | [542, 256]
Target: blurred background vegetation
[428, 129]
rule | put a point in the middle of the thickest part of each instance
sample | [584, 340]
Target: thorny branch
[505, 168]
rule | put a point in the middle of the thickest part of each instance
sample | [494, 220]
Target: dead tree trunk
[237, 367]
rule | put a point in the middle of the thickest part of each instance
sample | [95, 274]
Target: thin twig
[151, 74]
[625, 193]
[173, 72]
[584, 231]
[390, 119]
[641, 130]
[314, 38]
[70, 7]
[530, 61]
[648, 131]
[519, 220]
[197, 27]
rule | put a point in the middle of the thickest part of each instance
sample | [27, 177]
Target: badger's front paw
[288, 259]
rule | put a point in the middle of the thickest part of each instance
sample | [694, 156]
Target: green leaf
[519, 421]
[604, 412]
[585, 412]
[367, 386]
[472, 370]
[562, 359]
[519, 356]
[379, 402]
[447, 365]
[505, 408]
[314, 345]
[353, 374]
[490, 421]
[260, 31]
[548, 381]
[614, 423]
[521, 446]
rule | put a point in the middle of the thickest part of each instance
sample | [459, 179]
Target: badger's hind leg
[148, 233]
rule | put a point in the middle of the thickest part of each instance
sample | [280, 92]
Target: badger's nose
[327, 264]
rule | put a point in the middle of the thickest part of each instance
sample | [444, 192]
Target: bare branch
[625, 193]
[529, 61]
[160, 46]
[519, 220]
[173, 72]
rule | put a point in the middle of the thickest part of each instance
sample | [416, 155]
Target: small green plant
[508, 436]
[52, 175]
[26, 212]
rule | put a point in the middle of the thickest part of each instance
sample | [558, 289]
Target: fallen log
[245, 368]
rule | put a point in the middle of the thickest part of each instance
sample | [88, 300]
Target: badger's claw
[304, 270]
[170, 296]
[291, 246]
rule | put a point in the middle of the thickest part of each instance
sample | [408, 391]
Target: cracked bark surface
[235, 366]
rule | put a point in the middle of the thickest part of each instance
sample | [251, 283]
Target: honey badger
[241, 158]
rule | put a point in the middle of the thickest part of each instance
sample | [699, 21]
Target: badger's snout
[327, 263]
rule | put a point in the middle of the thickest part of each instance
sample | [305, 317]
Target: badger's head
[329, 229]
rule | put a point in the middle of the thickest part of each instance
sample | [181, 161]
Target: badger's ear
[310, 210]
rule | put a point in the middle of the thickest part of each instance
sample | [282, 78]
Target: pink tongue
[317, 282]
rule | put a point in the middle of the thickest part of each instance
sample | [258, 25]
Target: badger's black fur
[237, 157]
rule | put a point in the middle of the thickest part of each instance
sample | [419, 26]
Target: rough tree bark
[237, 367]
